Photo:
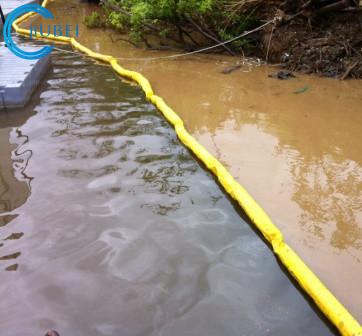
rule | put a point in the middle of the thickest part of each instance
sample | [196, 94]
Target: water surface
[123, 232]
[295, 145]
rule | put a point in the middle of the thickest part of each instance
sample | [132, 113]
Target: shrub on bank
[188, 23]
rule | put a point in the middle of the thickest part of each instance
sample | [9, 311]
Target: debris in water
[302, 90]
[283, 75]
[231, 69]
[349, 68]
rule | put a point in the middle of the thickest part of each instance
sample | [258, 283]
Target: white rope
[199, 50]
[188, 53]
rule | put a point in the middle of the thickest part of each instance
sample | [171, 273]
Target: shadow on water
[15, 184]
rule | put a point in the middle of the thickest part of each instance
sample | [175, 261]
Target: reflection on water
[125, 234]
[331, 191]
[14, 184]
[303, 163]
[299, 155]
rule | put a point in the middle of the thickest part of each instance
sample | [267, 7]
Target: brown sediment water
[295, 145]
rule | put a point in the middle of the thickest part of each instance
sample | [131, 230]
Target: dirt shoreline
[330, 46]
[306, 38]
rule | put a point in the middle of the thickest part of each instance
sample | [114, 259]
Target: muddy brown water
[112, 214]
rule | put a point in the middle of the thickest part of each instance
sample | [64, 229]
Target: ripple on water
[126, 234]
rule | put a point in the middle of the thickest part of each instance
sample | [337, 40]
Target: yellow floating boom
[308, 281]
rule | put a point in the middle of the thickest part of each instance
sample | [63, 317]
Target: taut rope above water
[198, 51]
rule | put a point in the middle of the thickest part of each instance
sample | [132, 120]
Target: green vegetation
[330, 47]
[188, 23]
[93, 21]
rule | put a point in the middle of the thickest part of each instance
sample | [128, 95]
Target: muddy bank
[327, 45]
[323, 37]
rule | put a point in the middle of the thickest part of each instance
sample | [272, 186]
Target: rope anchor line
[198, 51]
[276, 19]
